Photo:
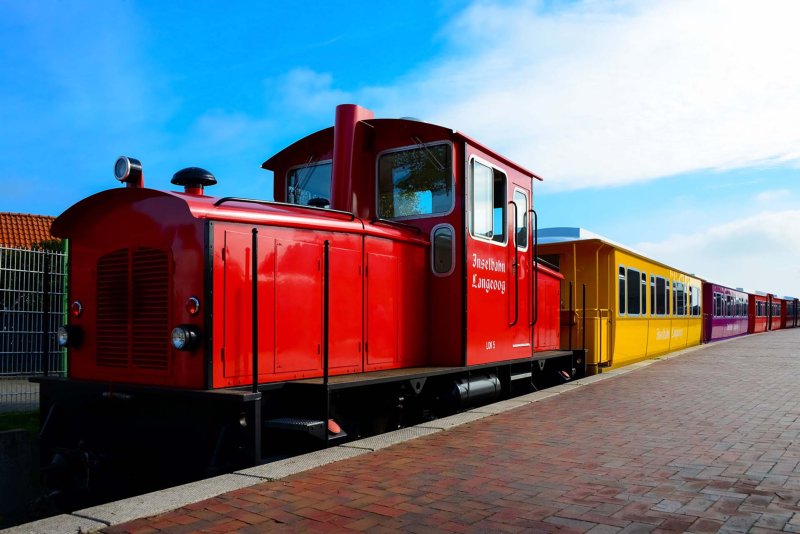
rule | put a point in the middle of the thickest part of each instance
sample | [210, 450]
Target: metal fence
[25, 278]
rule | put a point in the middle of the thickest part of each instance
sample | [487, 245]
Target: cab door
[520, 303]
[497, 264]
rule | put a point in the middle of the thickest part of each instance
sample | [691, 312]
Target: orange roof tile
[22, 230]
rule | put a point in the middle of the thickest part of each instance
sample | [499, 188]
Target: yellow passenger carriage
[635, 307]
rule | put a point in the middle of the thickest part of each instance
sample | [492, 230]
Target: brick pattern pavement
[706, 442]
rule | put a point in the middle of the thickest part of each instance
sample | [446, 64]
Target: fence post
[46, 314]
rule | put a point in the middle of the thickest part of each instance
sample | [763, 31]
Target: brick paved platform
[703, 442]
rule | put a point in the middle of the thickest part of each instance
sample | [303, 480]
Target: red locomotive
[394, 278]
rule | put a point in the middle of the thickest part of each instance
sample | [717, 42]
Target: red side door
[497, 264]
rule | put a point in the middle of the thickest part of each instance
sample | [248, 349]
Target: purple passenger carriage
[724, 312]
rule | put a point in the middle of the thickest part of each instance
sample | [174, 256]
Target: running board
[313, 427]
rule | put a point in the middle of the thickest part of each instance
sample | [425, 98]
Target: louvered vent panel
[112, 309]
[150, 308]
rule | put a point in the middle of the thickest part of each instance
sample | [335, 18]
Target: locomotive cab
[473, 207]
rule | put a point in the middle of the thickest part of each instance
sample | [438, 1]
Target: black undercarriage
[102, 442]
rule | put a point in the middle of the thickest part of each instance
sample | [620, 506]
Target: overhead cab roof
[324, 138]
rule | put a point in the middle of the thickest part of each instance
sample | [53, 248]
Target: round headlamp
[69, 336]
[185, 337]
[127, 169]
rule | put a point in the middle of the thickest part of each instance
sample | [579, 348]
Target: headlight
[127, 169]
[69, 336]
[185, 337]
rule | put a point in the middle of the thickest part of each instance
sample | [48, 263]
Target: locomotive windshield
[309, 185]
[416, 181]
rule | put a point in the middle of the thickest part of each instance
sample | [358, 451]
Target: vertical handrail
[571, 315]
[769, 312]
[45, 314]
[584, 316]
[516, 267]
[325, 325]
[255, 310]
[535, 267]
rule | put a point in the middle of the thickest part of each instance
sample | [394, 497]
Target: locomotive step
[313, 427]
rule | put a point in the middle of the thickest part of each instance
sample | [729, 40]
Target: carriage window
[309, 185]
[666, 297]
[717, 305]
[634, 295]
[488, 202]
[622, 286]
[416, 181]
[662, 296]
[652, 295]
[521, 226]
[644, 294]
[694, 300]
[679, 307]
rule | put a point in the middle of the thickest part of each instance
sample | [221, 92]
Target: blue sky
[671, 127]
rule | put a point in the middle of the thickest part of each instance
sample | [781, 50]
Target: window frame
[304, 166]
[668, 297]
[679, 298]
[452, 250]
[653, 296]
[629, 282]
[469, 201]
[695, 296]
[664, 295]
[643, 294]
[452, 183]
[525, 215]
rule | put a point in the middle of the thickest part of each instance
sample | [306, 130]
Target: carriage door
[498, 287]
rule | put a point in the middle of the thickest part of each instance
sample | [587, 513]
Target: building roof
[23, 230]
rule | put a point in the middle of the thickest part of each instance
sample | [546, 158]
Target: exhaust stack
[344, 132]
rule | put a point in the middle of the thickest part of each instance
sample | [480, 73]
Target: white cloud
[758, 252]
[219, 133]
[605, 92]
[774, 196]
[306, 91]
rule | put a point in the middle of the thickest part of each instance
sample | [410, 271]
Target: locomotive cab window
[415, 182]
[443, 253]
[521, 226]
[487, 190]
[309, 185]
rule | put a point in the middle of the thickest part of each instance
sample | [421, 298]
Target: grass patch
[25, 420]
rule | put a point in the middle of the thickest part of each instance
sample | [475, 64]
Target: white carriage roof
[561, 234]
[566, 234]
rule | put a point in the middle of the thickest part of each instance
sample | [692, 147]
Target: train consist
[637, 308]
[396, 277]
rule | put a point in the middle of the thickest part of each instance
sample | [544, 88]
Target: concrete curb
[114, 513]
